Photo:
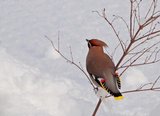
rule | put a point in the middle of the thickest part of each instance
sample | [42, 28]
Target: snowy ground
[36, 81]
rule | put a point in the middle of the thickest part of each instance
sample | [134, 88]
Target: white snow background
[36, 81]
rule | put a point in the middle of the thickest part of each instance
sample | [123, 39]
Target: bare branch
[119, 17]
[97, 107]
[71, 54]
[152, 88]
[136, 46]
[111, 25]
[140, 32]
[148, 89]
[70, 61]
[133, 56]
[114, 51]
[140, 64]
[138, 38]
[155, 82]
[150, 34]
[124, 54]
[131, 18]
[58, 40]
[126, 92]
[81, 65]
[147, 61]
[140, 89]
[144, 86]
[150, 56]
[150, 8]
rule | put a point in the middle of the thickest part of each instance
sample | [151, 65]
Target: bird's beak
[87, 40]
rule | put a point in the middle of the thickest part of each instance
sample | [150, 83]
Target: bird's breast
[95, 64]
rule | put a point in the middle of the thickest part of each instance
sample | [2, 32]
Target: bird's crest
[96, 42]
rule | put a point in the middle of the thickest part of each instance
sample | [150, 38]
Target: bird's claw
[116, 74]
[96, 90]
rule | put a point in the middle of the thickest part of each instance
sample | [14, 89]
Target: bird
[101, 68]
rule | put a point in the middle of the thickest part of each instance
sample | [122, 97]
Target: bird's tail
[118, 96]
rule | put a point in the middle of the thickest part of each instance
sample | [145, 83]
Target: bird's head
[96, 42]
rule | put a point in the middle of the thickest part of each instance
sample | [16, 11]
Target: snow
[52, 54]
[135, 78]
[36, 81]
[25, 90]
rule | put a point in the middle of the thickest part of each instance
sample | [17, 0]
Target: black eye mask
[89, 45]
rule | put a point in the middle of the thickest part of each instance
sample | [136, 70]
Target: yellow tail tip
[118, 98]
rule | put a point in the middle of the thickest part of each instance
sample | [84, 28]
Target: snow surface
[36, 81]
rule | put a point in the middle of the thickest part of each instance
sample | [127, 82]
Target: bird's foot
[116, 74]
[96, 90]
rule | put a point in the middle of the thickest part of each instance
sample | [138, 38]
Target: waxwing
[102, 69]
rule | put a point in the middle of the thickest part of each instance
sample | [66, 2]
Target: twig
[114, 51]
[140, 64]
[150, 8]
[155, 82]
[71, 54]
[131, 18]
[80, 65]
[126, 92]
[152, 88]
[153, 33]
[131, 91]
[58, 40]
[149, 89]
[70, 61]
[111, 25]
[119, 17]
[144, 86]
[97, 107]
[143, 63]
[138, 38]
[134, 91]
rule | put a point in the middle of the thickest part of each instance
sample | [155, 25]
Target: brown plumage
[102, 69]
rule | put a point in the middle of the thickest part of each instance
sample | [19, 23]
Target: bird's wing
[94, 80]
[100, 82]
[118, 82]
[111, 65]
[110, 62]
